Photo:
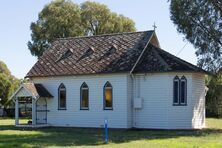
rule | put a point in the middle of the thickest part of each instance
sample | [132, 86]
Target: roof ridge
[109, 34]
[141, 54]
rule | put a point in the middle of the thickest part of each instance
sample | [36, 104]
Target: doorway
[41, 111]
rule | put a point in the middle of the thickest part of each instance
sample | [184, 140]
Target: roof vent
[89, 51]
[111, 50]
[68, 53]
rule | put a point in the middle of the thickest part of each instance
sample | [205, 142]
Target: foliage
[59, 19]
[98, 19]
[8, 84]
[214, 95]
[4, 69]
[63, 18]
[5, 89]
[201, 23]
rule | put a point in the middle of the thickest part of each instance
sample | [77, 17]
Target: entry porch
[31, 100]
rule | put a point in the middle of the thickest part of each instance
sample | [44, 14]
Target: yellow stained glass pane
[108, 97]
[85, 98]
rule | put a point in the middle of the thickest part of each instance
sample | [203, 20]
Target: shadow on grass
[87, 137]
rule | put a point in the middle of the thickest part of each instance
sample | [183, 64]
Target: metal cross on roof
[154, 26]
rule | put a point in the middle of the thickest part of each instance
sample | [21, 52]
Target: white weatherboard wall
[129, 101]
[198, 92]
[95, 116]
[180, 117]
[23, 93]
[158, 111]
[156, 91]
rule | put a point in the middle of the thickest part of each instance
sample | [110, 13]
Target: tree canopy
[63, 18]
[4, 69]
[98, 19]
[201, 23]
[5, 89]
[214, 95]
[8, 84]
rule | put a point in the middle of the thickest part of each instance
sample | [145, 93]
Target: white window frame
[183, 79]
[104, 97]
[82, 88]
[176, 79]
[59, 91]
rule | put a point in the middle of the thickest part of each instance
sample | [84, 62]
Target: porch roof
[32, 90]
[38, 90]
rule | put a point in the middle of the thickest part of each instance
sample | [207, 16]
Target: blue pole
[106, 131]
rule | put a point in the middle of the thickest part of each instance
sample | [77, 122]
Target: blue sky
[16, 17]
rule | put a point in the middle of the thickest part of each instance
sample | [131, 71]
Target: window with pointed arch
[62, 97]
[183, 90]
[108, 96]
[176, 90]
[180, 91]
[84, 97]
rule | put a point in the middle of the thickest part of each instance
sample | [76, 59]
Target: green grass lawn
[72, 137]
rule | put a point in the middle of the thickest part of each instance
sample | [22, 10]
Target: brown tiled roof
[90, 55]
[114, 53]
[155, 59]
[37, 90]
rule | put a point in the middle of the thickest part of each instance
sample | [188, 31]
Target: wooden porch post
[33, 111]
[17, 111]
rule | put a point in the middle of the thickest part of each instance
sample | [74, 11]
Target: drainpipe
[133, 96]
[136, 94]
[133, 78]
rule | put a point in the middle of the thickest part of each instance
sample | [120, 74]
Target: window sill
[108, 109]
[179, 104]
[62, 109]
[84, 108]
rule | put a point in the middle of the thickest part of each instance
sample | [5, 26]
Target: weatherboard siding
[198, 120]
[95, 116]
[158, 111]
[23, 93]
[180, 117]
[156, 91]
[129, 101]
[152, 89]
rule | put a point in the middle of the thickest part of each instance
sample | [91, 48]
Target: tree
[98, 19]
[58, 19]
[63, 18]
[8, 84]
[5, 89]
[4, 69]
[214, 95]
[201, 23]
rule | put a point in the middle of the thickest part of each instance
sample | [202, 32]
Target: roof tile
[90, 55]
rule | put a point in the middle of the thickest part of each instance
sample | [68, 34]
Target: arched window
[108, 96]
[176, 90]
[62, 97]
[84, 96]
[183, 90]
